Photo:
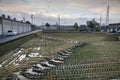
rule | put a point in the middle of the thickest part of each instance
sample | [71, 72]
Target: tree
[97, 27]
[47, 25]
[76, 26]
[91, 25]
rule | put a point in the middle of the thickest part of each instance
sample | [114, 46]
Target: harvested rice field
[63, 56]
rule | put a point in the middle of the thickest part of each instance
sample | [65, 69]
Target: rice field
[66, 56]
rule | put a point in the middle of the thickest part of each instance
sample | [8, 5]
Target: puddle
[31, 71]
[57, 61]
[50, 65]
[34, 55]
[41, 67]
[20, 76]
[38, 48]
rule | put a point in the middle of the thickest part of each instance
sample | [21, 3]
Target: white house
[115, 27]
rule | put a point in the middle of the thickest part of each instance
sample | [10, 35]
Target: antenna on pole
[107, 16]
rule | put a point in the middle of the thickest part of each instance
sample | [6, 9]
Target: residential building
[66, 28]
[115, 27]
[43, 27]
[83, 28]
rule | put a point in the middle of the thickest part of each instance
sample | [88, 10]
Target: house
[6, 23]
[115, 27]
[43, 27]
[83, 28]
[66, 28]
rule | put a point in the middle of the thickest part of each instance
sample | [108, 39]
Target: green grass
[85, 52]
[6, 47]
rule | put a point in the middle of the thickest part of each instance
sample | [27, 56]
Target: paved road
[9, 38]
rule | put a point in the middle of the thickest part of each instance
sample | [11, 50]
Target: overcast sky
[70, 11]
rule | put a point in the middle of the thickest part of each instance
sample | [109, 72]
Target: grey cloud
[91, 4]
[79, 8]
[13, 2]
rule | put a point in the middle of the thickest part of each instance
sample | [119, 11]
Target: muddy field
[63, 56]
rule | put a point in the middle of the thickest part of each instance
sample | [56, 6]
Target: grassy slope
[6, 47]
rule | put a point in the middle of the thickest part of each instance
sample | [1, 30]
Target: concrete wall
[20, 27]
[0, 29]
[7, 25]
[15, 26]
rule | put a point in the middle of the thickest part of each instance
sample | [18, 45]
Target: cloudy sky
[70, 11]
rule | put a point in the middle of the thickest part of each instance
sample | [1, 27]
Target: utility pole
[107, 16]
[24, 19]
[100, 22]
[58, 19]
[32, 19]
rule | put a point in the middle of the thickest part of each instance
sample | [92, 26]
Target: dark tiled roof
[114, 24]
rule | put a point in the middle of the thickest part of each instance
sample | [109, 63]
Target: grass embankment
[6, 47]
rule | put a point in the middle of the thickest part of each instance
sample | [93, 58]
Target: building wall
[66, 28]
[20, 27]
[0, 26]
[15, 25]
[24, 28]
[83, 27]
[0, 29]
[7, 25]
[28, 27]
[114, 27]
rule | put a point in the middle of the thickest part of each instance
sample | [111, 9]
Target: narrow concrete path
[10, 38]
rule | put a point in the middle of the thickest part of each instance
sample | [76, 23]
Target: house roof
[114, 24]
